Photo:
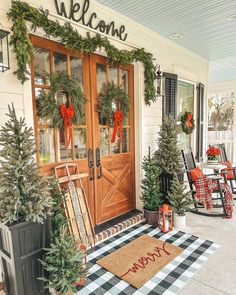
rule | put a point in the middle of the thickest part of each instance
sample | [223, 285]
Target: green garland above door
[21, 12]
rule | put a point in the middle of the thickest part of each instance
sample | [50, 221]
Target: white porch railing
[226, 137]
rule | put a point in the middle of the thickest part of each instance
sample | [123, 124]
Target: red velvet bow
[117, 117]
[189, 118]
[67, 115]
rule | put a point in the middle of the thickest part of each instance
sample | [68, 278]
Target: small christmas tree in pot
[168, 156]
[25, 203]
[151, 196]
[180, 200]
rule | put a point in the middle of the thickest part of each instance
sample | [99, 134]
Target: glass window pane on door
[64, 152]
[115, 146]
[124, 81]
[104, 141]
[60, 62]
[113, 75]
[185, 102]
[101, 76]
[80, 146]
[37, 98]
[61, 98]
[125, 140]
[41, 64]
[101, 81]
[76, 70]
[46, 145]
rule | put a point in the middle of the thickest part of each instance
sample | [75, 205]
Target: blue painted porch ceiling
[203, 23]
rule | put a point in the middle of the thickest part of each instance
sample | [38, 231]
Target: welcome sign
[78, 12]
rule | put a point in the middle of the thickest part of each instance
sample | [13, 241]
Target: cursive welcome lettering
[144, 260]
[78, 13]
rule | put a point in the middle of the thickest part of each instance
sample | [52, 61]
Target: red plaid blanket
[228, 201]
[204, 188]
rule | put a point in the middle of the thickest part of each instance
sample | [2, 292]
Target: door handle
[98, 163]
[90, 164]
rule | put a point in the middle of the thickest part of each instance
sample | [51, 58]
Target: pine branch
[180, 199]
[23, 194]
[151, 196]
[168, 156]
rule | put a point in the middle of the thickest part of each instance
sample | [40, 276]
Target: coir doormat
[138, 261]
[168, 281]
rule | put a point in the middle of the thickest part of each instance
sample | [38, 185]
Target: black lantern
[4, 51]
[158, 81]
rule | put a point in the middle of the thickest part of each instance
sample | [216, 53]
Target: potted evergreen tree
[151, 195]
[168, 156]
[24, 206]
[180, 200]
[64, 261]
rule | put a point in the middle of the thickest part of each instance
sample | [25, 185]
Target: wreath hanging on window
[62, 114]
[113, 107]
[187, 122]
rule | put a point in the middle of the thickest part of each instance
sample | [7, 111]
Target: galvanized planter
[151, 216]
[21, 245]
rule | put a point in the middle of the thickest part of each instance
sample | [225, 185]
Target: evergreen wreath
[187, 122]
[112, 93]
[48, 107]
[21, 12]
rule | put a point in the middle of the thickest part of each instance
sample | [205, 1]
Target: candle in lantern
[165, 218]
[167, 224]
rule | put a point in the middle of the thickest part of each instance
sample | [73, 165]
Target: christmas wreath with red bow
[113, 107]
[187, 122]
[62, 114]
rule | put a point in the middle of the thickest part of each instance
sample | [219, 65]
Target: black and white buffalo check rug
[168, 281]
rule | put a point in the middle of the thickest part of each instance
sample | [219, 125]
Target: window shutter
[170, 88]
[200, 121]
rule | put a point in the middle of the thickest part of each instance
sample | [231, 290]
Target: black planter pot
[151, 216]
[166, 182]
[21, 246]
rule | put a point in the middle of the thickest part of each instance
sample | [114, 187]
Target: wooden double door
[114, 180]
[110, 187]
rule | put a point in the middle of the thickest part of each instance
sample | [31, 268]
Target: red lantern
[165, 218]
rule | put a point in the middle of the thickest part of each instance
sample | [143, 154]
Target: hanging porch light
[4, 51]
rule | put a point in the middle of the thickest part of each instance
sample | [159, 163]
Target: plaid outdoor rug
[168, 281]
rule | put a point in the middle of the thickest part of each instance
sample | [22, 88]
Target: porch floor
[217, 276]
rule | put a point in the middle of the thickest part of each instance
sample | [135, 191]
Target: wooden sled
[75, 203]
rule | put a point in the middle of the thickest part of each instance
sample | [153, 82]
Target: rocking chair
[230, 176]
[202, 187]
